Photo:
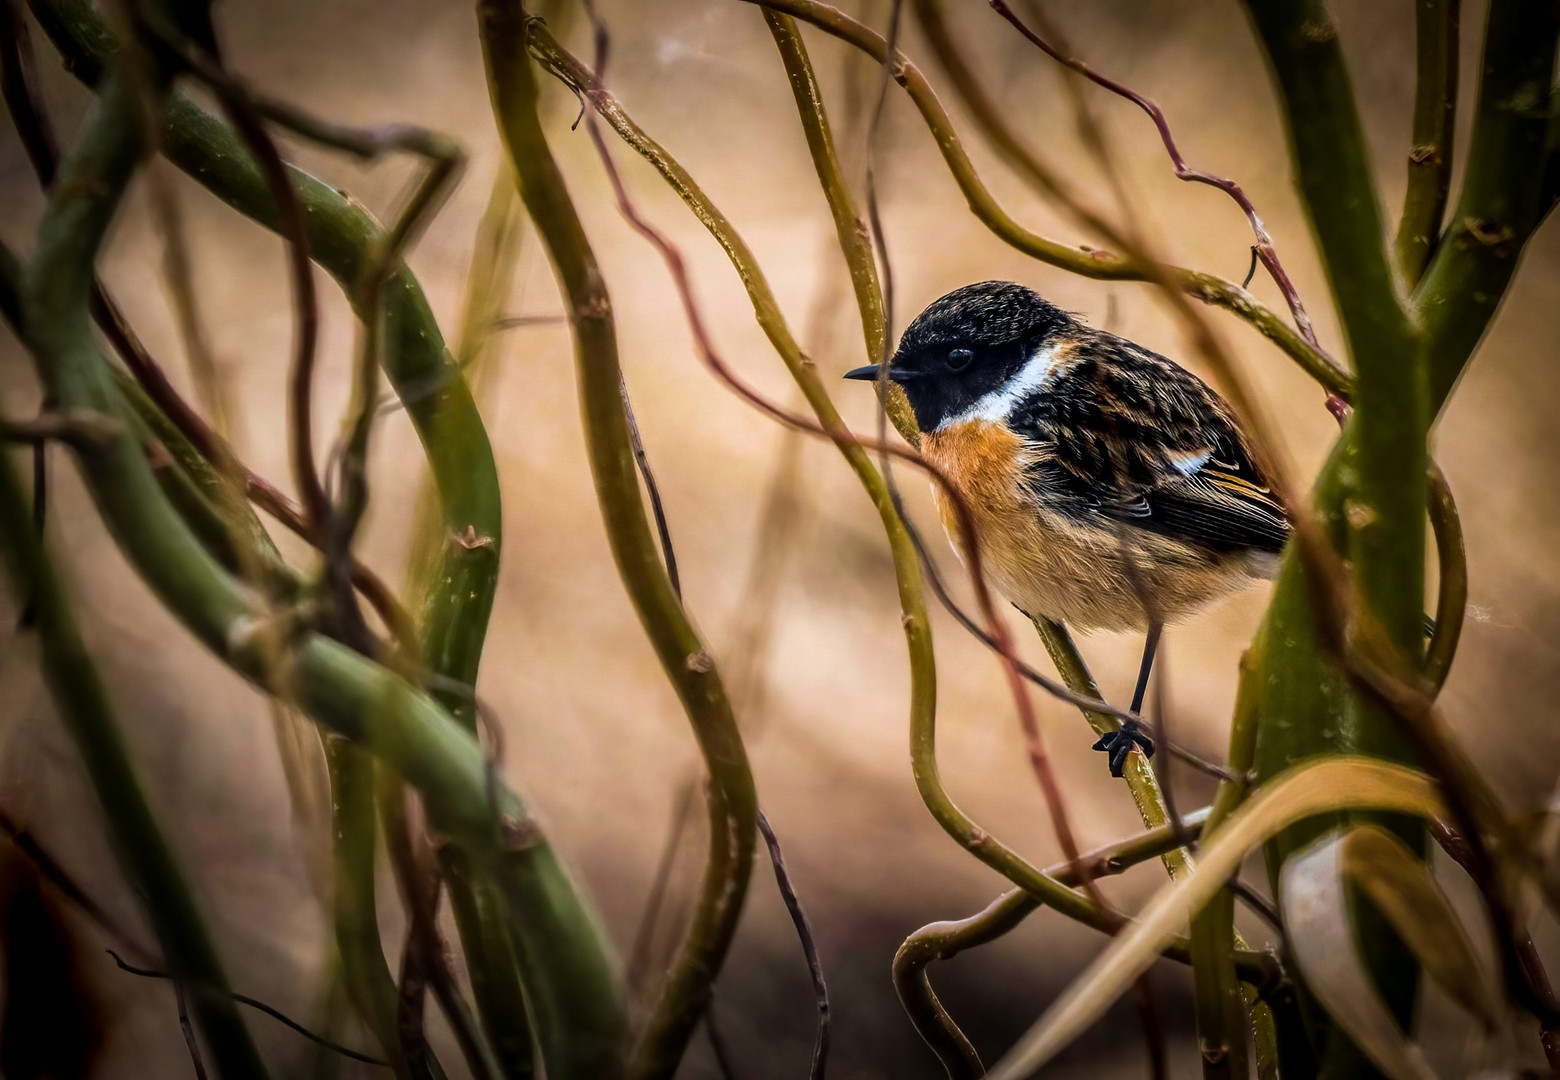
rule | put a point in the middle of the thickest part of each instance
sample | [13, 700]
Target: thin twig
[239, 105]
[1264, 249]
[1259, 904]
[255, 1003]
[657, 507]
[1034, 742]
[190, 1041]
[793, 906]
[944, 940]
[970, 835]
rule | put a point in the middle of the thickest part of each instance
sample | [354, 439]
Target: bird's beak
[864, 373]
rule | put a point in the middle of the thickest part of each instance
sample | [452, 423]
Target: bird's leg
[1119, 743]
[1150, 647]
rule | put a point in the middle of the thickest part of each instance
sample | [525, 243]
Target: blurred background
[783, 561]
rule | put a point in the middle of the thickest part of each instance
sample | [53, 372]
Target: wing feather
[1125, 435]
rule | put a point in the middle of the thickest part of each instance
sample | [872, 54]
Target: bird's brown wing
[1125, 435]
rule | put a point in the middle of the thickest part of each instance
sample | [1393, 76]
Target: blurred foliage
[1340, 767]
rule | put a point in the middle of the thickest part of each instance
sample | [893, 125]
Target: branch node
[1490, 234]
[596, 308]
[519, 832]
[470, 540]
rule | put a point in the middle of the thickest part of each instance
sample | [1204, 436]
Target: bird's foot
[1119, 743]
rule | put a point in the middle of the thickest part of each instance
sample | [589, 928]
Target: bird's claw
[1119, 743]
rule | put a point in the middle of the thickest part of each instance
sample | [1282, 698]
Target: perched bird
[1111, 488]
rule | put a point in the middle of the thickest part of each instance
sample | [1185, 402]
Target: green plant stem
[55, 323]
[570, 983]
[1084, 261]
[1386, 536]
[1221, 1005]
[923, 727]
[1221, 1014]
[945, 940]
[731, 800]
[1503, 197]
[849, 226]
[1371, 497]
[355, 909]
[143, 854]
[1139, 774]
[479, 913]
[1436, 24]
[454, 613]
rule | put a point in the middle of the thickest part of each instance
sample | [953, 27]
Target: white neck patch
[994, 406]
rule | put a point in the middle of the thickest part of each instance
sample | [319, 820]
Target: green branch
[1435, 122]
[569, 975]
[1503, 197]
[923, 727]
[731, 800]
[355, 909]
[945, 940]
[143, 853]
[850, 228]
[1084, 261]
[56, 326]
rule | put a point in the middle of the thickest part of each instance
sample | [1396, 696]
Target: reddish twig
[1264, 249]
[672, 256]
[239, 105]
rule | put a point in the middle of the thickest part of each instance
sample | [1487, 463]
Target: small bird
[1111, 488]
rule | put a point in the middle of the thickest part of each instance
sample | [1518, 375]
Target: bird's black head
[967, 344]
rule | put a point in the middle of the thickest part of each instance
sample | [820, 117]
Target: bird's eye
[959, 359]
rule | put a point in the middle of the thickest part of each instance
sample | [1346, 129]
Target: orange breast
[986, 463]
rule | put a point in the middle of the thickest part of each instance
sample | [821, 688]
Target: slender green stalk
[492, 963]
[731, 801]
[849, 226]
[569, 979]
[1387, 512]
[1436, 24]
[923, 729]
[1221, 1003]
[453, 617]
[1084, 261]
[144, 855]
[55, 323]
[1139, 774]
[479, 914]
[1379, 505]
[364, 970]
[1503, 197]
[945, 940]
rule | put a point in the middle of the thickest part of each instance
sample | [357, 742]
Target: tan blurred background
[593, 736]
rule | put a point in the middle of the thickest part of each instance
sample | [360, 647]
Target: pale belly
[1104, 578]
